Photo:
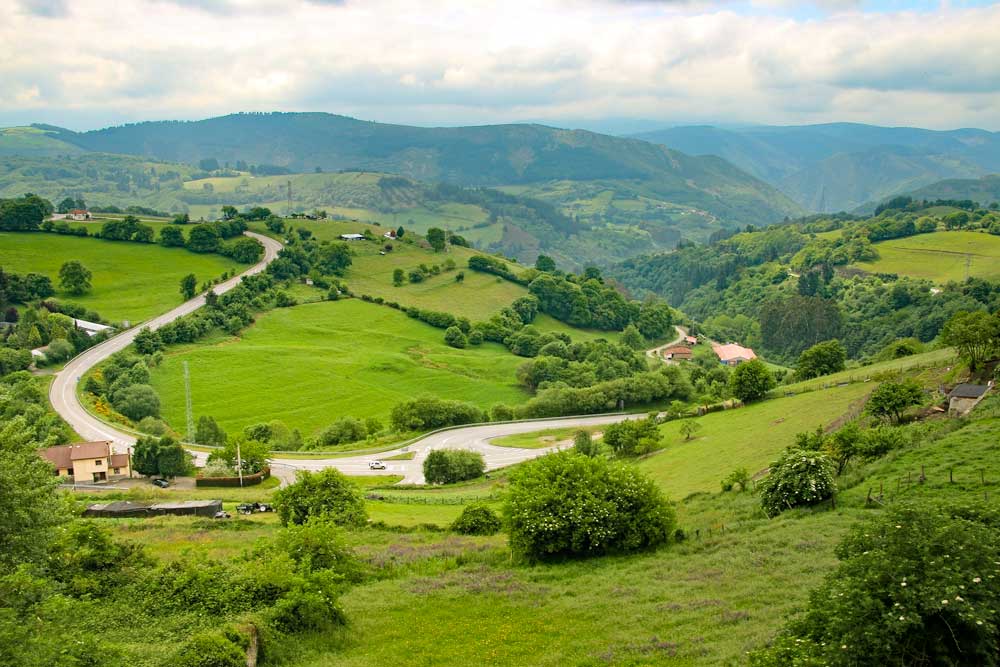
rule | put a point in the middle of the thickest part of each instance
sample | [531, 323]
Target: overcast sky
[91, 63]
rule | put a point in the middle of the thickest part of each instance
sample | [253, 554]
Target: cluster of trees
[24, 214]
[421, 272]
[23, 397]
[347, 429]
[202, 238]
[162, 457]
[46, 326]
[421, 414]
[123, 382]
[632, 437]
[310, 258]
[580, 364]
[447, 466]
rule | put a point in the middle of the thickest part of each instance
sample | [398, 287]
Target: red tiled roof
[733, 351]
[119, 460]
[98, 449]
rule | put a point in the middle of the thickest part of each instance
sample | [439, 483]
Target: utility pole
[239, 463]
[187, 403]
[968, 263]
[288, 212]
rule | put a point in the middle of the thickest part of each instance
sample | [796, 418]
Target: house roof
[690, 339]
[119, 460]
[79, 211]
[677, 349]
[968, 391]
[732, 351]
[64, 455]
[352, 236]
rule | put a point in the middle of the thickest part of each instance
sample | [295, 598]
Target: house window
[69, 472]
[98, 462]
[118, 471]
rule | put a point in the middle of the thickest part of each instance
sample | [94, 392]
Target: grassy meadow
[939, 256]
[311, 364]
[131, 281]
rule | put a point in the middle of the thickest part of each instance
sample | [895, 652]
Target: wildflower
[976, 580]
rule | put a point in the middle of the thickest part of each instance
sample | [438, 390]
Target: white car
[376, 465]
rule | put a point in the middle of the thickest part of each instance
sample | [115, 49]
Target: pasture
[312, 364]
[939, 256]
[131, 281]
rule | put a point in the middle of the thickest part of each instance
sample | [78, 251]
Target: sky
[84, 64]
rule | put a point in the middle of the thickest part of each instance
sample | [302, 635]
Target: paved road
[655, 352]
[62, 393]
[475, 438]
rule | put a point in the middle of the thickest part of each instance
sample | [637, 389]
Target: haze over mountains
[842, 166]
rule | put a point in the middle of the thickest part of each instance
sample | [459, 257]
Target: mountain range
[842, 166]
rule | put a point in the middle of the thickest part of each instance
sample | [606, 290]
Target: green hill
[983, 190]
[35, 141]
[490, 155]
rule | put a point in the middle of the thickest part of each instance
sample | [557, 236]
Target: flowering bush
[916, 586]
[799, 477]
[566, 504]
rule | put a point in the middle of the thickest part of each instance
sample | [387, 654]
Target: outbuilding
[732, 354]
[965, 396]
[351, 237]
[677, 353]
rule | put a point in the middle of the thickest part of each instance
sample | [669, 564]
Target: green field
[131, 281]
[311, 364]
[940, 256]
[541, 439]
[749, 437]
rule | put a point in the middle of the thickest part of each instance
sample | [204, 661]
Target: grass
[939, 256]
[748, 437]
[405, 456]
[131, 281]
[934, 358]
[311, 364]
[540, 439]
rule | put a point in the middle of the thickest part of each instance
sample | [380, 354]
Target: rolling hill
[983, 190]
[839, 166]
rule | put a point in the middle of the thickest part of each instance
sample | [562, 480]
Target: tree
[891, 399]
[171, 459]
[171, 237]
[447, 466]
[545, 263]
[399, 232]
[29, 504]
[633, 436]
[327, 493]
[332, 258]
[564, 504]
[137, 401]
[398, 277]
[460, 277]
[241, 451]
[436, 237]
[454, 337]
[798, 477]
[845, 444]
[203, 238]
[688, 428]
[24, 214]
[751, 380]
[145, 455]
[584, 444]
[345, 429]
[655, 320]
[181, 219]
[229, 212]
[975, 334]
[67, 205]
[74, 277]
[189, 284]
[632, 338]
[208, 432]
[821, 359]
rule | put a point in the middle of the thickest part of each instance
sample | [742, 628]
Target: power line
[187, 403]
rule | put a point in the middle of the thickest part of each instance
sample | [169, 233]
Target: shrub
[891, 399]
[447, 466]
[345, 429]
[429, 412]
[327, 493]
[584, 444]
[210, 649]
[477, 519]
[915, 586]
[739, 477]
[137, 401]
[877, 442]
[454, 337]
[150, 425]
[501, 413]
[750, 381]
[798, 477]
[564, 504]
[633, 436]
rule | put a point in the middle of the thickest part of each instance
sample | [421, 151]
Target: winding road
[64, 399]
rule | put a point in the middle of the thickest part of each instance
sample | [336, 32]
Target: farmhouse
[691, 340]
[351, 237]
[732, 354]
[964, 397]
[79, 214]
[88, 462]
[677, 353]
[391, 234]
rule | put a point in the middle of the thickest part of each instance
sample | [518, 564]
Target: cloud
[450, 61]
[44, 8]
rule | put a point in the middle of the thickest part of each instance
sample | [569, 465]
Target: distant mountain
[984, 190]
[35, 141]
[491, 155]
[840, 166]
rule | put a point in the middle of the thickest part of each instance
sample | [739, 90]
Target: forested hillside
[839, 166]
[788, 287]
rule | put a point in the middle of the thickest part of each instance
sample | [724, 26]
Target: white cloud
[450, 61]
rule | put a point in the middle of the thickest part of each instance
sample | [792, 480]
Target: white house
[79, 214]
[351, 237]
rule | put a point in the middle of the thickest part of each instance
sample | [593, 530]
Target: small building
[677, 353]
[79, 214]
[88, 462]
[691, 340]
[964, 397]
[92, 328]
[391, 234]
[351, 237]
[732, 354]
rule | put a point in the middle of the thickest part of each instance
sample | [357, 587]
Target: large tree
[750, 381]
[821, 359]
[891, 399]
[436, 237]
[74, 277]
[975, 335]
[189, 284]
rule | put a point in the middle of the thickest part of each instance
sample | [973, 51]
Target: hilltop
[840, 166]
[984, 190]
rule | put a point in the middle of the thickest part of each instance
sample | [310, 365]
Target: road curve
[476, 438]
[62, 392]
